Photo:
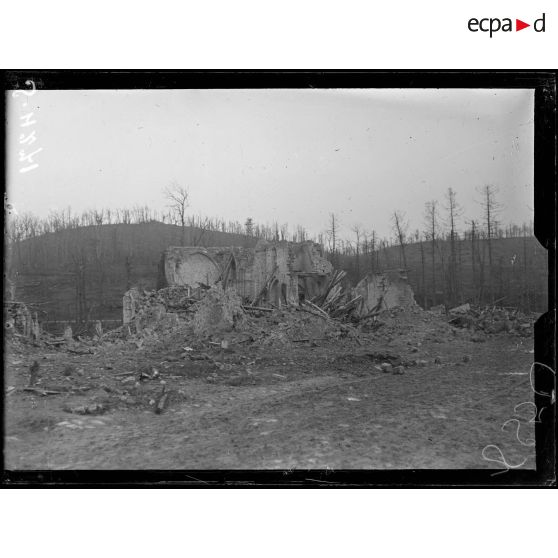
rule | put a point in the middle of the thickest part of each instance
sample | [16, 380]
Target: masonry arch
[197, 269]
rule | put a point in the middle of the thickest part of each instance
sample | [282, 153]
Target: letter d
[535, 25]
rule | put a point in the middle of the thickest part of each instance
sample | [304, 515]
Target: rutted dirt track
[311, 407]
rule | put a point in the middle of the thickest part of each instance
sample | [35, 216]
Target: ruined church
[278, 273]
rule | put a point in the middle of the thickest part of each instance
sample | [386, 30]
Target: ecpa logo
[494, 24]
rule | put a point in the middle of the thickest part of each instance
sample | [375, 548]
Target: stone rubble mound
[492, 319]
[215, 313]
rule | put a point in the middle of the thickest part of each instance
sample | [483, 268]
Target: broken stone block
[94, 409]
[463, 309]
[129, 305]
[219, 311]
[98, 329]
[439, 309]
[68, 335]
[463, 321]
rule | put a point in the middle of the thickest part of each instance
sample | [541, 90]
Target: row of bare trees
[448, 260]
[28, 225]
[452, 260]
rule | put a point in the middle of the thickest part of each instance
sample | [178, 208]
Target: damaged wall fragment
[129, 305]
[19, 319]
[383, 291]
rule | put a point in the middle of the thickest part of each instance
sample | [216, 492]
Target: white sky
[289, 155]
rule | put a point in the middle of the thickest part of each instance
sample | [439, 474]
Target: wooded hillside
[79, 274]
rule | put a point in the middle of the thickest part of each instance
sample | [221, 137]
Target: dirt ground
[442, 403]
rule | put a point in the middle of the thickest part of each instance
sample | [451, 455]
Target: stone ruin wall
[290, 263]
[384, 291]
[285, 268]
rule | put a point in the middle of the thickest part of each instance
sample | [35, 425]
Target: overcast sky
[286, 155]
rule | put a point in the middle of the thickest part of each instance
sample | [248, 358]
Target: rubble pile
[154, 312]
[375, 294]
[174, 315]
[410, 325]
[413, 324]
[218, 311]
[152, 306]
[295, 325]
[492, 319]
[211, 334]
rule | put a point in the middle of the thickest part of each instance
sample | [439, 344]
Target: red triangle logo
[519, 25]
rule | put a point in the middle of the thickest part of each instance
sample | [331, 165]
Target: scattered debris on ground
[211, 334]
[492, 319]
[180, 345]
[95, 409]
[195, 323]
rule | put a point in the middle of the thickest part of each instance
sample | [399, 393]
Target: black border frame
[544, 84]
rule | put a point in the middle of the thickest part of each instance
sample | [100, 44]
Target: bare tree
[126, 216]
[79, 267]
[358, 233]
[525, 284]
[383, 247]
[400, 229]
[491, 208]
[101, 261]
[374, 260]
[332, 233]
[199, 227]
[420, 242]
[178, 198]
[431, 233]
[477, 285]
[301, 234]
[453, 213]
